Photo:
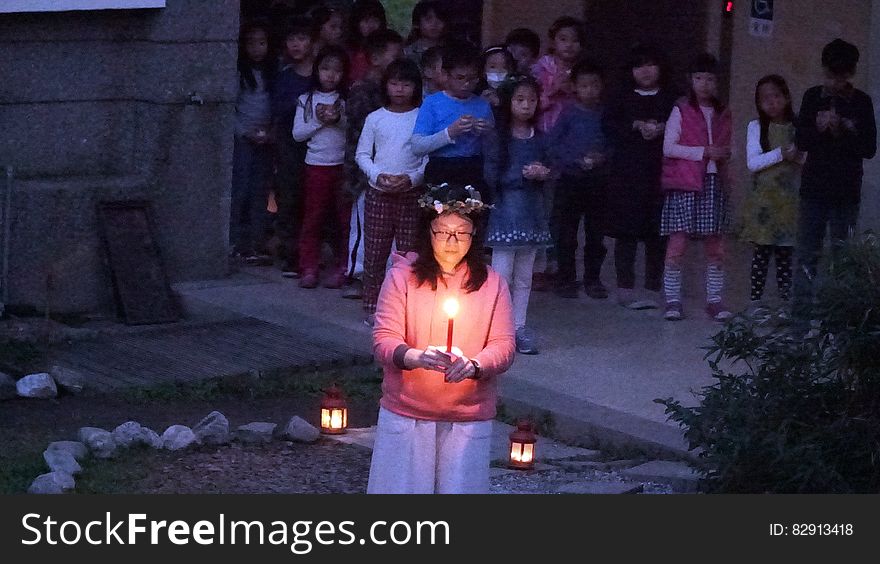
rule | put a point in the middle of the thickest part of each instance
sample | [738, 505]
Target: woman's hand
[460, 370]
[429, 359]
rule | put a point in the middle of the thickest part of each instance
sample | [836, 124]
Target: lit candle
[450, 306]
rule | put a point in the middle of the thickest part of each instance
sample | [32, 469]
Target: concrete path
[601, 366]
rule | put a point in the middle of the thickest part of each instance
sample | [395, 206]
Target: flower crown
[473, 203]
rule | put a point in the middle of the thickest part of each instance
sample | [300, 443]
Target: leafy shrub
[792, 413]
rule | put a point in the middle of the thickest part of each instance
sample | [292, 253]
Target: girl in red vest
[696, 150]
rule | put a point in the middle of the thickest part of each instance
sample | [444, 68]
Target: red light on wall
[728, 7]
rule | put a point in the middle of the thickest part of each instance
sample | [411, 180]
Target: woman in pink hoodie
[436, 411]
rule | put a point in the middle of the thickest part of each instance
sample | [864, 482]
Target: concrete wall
[801, 29]
[94, 108]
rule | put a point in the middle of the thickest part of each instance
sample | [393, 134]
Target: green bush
[792, 413]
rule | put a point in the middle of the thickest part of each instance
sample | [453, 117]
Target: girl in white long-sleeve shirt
[769, 219]
[395, 173]
[320, 120]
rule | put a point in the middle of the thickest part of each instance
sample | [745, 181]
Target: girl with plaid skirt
[696, 150]
[384, 154]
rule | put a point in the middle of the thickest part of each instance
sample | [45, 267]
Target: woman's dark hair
[405, 70]
[763, 118]
[568, 22]
[426, 268]
[524, 36]
[327, 52]
[504, 118]
[421, 10]
[704, 62]
[246, 67]
[360, 11]
[643, 54]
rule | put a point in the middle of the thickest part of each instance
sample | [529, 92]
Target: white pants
[516, 266]
[356, 239]
[413, 456]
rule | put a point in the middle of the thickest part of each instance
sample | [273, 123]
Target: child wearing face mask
[498, 64]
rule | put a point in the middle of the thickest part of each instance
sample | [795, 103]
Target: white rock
[76, 449]
[7, 387]
[68, 379]
[37, 386]
[99, 441]
[151, 438]
[298, 429]
[61, 461]
[177, 437]
[213, 429]
[52, 483]
[256, 432]
[127, 434]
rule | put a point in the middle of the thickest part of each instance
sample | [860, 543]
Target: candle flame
[450, 306]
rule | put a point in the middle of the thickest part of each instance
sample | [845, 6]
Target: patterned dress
[769, 212]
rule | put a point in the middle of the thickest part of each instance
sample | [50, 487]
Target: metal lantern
[334, 412]
[522, 446]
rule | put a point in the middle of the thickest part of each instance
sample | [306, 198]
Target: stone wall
[95, 106]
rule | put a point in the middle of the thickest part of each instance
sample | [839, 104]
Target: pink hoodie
[413, 316]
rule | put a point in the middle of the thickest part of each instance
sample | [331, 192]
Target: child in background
[837, 130]
[366, 17]
[515, 171]
[451, 124]
[329, 26]
[696, 150]
[525, 46]
[366, 96]
[429, 23]
[553, 71]
[293, 81]
[498, 64]
[635, 123]
[432, 71]
[395, 176]
[320, 120]
[770, 207]
[578, 148]
[252, 153]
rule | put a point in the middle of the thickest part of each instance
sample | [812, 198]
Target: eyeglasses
[463, 236]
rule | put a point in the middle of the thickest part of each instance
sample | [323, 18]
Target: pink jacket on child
[411, 316]
[547, 71]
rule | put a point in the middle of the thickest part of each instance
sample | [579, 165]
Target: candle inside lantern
[450, 306]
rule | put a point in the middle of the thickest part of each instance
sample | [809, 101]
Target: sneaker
[309, 280]
[370, 320]
[290, 270]
[718, 312]
[354, 291]
[258, 260]
[569, 290]
[674, 312]
[335, 281]
[596, 291]
[525, 341]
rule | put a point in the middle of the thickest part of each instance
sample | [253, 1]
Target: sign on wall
[761, 20]
[12, 6]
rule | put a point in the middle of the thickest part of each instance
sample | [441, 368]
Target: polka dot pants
[761, 264]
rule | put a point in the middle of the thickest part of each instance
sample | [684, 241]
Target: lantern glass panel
[528, 452]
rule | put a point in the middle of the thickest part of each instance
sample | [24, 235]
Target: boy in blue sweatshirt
[578, 154]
